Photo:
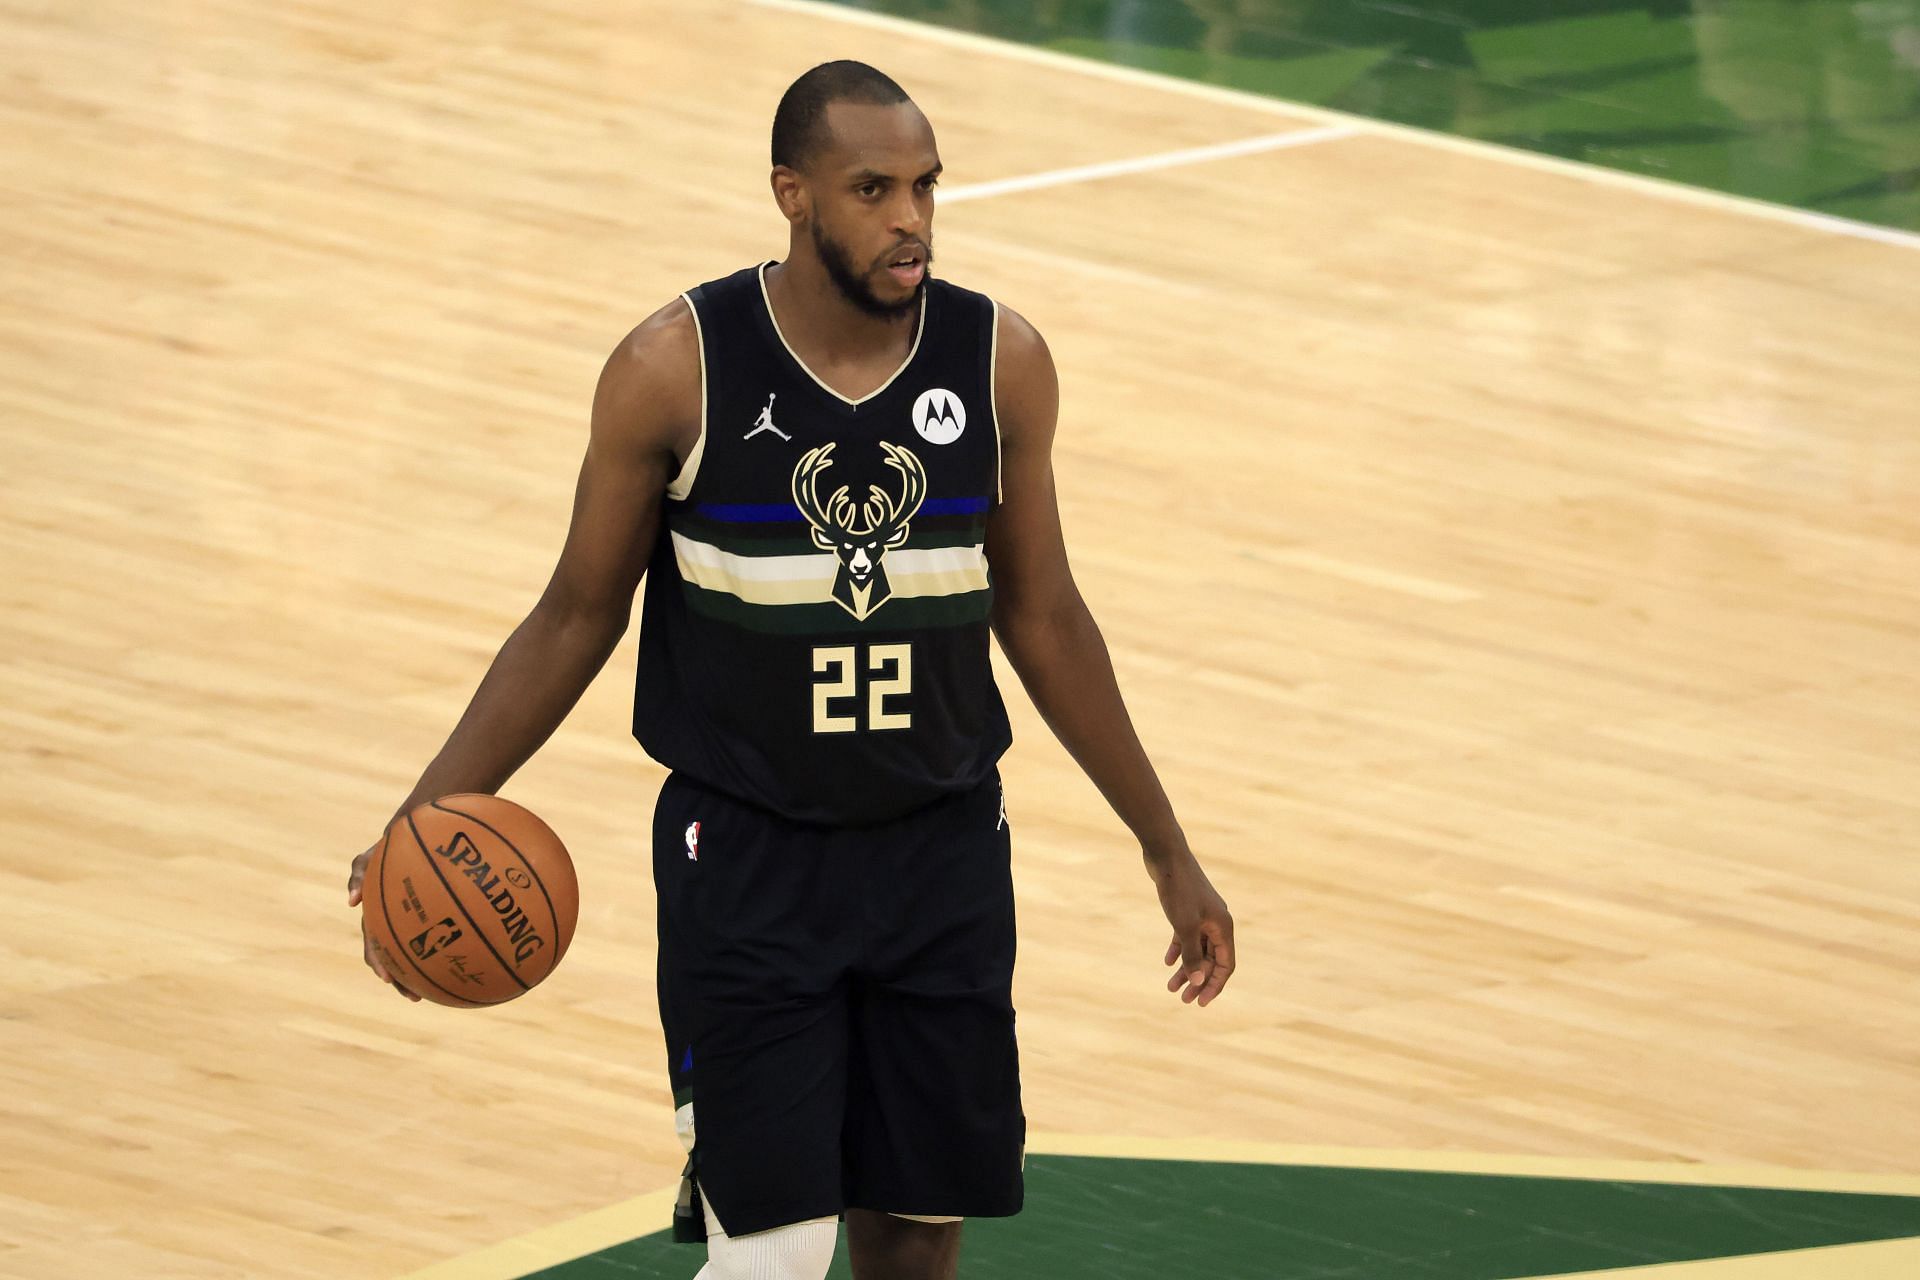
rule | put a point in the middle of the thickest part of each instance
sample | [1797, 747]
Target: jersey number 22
[837, 672]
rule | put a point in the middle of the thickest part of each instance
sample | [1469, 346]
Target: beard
[854, 287]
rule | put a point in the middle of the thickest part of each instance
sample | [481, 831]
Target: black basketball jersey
[813, 637]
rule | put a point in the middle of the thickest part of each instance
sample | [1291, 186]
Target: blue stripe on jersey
[749, 512]
[953, 506]
[772, 512]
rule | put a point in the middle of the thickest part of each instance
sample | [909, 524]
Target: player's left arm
[1055, 646]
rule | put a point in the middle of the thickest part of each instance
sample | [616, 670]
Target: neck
[811, 309]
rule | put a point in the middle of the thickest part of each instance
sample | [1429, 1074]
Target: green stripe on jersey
[901, 613]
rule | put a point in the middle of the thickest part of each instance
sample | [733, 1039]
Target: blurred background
[1807, 103]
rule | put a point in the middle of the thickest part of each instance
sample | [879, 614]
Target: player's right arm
[646, 418]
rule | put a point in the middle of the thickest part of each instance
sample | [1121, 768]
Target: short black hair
[799, 121]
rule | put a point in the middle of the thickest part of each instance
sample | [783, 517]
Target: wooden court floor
[1515, 574]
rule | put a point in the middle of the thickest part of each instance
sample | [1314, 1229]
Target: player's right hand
[354, 877]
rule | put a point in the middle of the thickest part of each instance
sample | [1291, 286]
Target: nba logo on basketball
[693, 841]
[434, 937]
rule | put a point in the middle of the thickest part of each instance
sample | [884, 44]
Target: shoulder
[649, 389]
[1026, 386]
[664, 346]
[1020, 348]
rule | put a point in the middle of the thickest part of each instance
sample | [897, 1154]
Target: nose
[909, 217]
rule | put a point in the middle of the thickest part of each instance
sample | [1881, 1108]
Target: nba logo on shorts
[693, 841]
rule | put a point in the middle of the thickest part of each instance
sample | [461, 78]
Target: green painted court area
[1807, 102]
[1106, 1219]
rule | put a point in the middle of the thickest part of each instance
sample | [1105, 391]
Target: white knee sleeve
[802, 1251]
[799, 1251]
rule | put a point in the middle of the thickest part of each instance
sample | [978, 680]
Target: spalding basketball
[470, 900]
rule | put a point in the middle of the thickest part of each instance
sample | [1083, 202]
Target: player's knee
[799, 1251]
[802, 1251]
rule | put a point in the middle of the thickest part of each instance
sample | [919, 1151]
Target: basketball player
[814, 464]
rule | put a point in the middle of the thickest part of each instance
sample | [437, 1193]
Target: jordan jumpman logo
[765, 421]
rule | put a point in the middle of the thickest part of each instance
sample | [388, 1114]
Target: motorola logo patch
[939, 416]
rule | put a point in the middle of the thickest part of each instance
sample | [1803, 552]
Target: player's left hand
[1202, 928]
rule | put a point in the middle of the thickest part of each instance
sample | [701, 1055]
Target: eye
[868, 189]
[928, 184]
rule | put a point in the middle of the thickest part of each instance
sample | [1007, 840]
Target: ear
[899, 536]
[822, 541]
[790, 193]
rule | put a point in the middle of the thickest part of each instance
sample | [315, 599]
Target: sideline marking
[1665, 187]
[1141, 164]
[1876, 1260]
[1873, 1260]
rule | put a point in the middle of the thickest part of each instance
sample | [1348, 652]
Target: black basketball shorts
[838, 1012]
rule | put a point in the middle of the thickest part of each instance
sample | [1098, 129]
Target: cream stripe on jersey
[808, 579]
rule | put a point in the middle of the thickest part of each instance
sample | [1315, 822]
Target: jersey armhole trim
[993, 394]
[682, 484]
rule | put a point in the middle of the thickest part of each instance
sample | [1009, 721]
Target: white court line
[1662, 187]
[1141, 164]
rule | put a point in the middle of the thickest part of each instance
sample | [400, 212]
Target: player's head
[854, 164]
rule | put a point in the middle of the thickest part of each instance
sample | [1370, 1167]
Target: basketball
[470, 900]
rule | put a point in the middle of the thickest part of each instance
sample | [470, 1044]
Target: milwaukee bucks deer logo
[859, 535]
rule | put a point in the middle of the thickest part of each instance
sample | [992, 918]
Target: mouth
[908, 267]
